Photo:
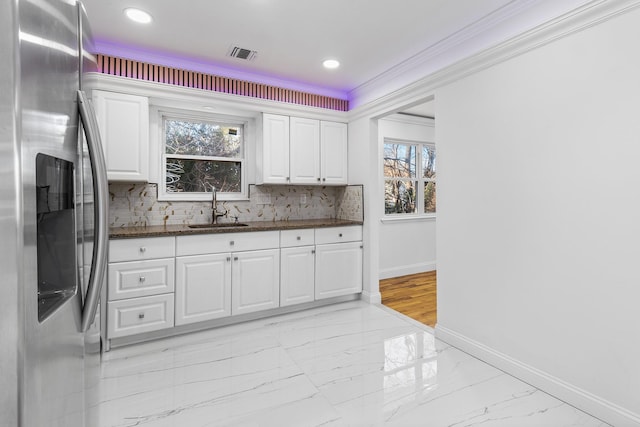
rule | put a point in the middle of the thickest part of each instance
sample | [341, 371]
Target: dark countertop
[180, 230]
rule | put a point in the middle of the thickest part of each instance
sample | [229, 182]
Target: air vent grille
[242, 53]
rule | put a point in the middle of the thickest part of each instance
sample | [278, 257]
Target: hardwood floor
[413, 296]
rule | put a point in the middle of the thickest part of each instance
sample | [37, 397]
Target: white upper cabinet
[124, 127]
[333, 153]
[275, 149]
[307, 152]
[304, 151]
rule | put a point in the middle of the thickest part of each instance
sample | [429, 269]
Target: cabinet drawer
[141, 249]
[349, 233]
[138, 315]
[140, 278]
[227, 242]
[292, 238]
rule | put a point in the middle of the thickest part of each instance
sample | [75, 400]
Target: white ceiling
[293, 37]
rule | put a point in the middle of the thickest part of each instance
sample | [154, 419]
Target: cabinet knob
[228, 258]
[361, 246]
[141, 316]
[298, 238]
[143, 249]
[340, 235]
[288, 179]
[313, 251]
[324, 179]
[142, 279]
[235, 258]
[231, 243]
[318, 179]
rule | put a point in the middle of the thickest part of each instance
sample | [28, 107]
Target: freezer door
[52, 391]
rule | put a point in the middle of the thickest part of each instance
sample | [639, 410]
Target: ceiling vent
[242, 53]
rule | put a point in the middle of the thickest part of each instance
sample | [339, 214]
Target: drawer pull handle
[142, 249]
[299, 238]
[142, 279]
[141, 316]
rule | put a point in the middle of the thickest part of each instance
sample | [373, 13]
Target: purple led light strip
[193, 79]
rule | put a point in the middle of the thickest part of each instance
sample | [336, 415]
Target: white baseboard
[371, 297]
[404, 270]
[581, 399]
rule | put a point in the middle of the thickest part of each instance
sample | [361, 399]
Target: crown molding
[586, 16]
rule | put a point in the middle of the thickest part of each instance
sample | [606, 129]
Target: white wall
[539, 216]
[408, 246]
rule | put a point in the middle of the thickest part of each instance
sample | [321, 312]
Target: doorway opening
[407, 257]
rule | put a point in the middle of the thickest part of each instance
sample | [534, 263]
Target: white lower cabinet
[255, 281]
[158, 283]
[338, 269]
[338, 261]
[139, 315]
[227, 277]
[297, 282]
[203, 288]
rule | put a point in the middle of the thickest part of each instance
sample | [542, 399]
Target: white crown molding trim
[582, 18]
[163, 94]
[411, 119]
[431, 56]
[575, 396]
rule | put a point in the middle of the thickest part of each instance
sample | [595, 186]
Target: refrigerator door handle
[101, 200]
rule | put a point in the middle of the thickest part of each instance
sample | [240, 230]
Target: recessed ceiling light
[138, 15]
[331, 63]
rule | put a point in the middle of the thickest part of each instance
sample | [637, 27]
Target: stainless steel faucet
[214, 208]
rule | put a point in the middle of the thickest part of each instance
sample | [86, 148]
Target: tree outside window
[409, 177]
[199, 154]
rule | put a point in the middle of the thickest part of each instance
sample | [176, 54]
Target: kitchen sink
[221, 225]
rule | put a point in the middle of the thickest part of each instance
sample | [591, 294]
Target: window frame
[213, 118]
[418, 178]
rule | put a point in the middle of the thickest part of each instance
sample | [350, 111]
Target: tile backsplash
[137, 205]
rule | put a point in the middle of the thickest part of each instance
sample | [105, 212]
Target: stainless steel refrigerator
[53, 215]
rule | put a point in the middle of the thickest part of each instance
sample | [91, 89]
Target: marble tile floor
[350, 364]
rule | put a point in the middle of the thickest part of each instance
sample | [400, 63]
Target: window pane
[430, 197]
[399, 160]
[196, 175]
[202, 139]
[400, 197]
[428, 161]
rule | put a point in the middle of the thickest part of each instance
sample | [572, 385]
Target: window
[409, 177]
[200, 153]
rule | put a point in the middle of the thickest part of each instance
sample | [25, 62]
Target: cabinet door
[297, 275]
[338, 269]
[124, 127]
[333, 152]
[275, 149]
[255, 281]
[304, 151]
[203, 288]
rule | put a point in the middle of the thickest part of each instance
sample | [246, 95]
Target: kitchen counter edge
[252, 226]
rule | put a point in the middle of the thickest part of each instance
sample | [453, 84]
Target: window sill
[390, 219]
